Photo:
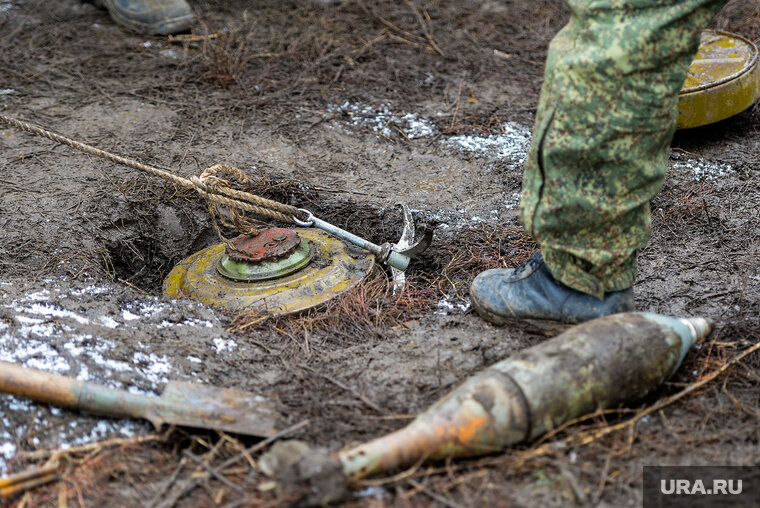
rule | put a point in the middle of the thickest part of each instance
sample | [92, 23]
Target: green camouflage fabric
[604, 123]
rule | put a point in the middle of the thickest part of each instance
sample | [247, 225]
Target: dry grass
[482, 248]
[684, 205]
[225, 55]
[371, 307]
[366, 310]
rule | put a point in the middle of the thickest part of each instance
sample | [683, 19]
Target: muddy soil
[344, 108]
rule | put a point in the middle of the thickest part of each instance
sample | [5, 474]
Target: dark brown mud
[344, 108]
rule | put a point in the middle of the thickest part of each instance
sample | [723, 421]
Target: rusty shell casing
[601, 363]
[483, 415]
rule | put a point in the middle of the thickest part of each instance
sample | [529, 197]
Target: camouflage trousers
[604, 123]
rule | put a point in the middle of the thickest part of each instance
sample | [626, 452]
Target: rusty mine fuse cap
[723, 80]
[274, 253]
[280, 271]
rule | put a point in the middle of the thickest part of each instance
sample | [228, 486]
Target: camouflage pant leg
[605, 120]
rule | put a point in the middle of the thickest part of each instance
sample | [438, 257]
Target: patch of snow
[84, 373]
[457, 218]
[102, 430]
[108, 322]
[31, 353]
[187, 322]
[108, 363]
[17, 404]
[128, 316]
[7, 451]
[221, 345]
[705, 170]
[89, 290]
[28, 321]
[513, 201]
[383, 121]
[512, 144]
[29, 337]
[141, 309]
[152, 366]
[75, 346]
[42, 295]
[452, 305]
[51, 311]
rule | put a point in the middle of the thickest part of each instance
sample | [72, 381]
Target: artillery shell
[599, 364]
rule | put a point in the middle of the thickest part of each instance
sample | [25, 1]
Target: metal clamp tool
[397, 255]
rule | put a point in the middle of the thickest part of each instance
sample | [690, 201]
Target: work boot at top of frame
[158, 17]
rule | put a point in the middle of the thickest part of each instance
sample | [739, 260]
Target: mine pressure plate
[723, 80]
[280, 271]
[274, 253]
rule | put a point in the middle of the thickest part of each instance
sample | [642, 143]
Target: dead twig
[425, 28]
[213, 472]
[193, 37]
[435, 497]
[98, 446]
[191, 484]
[13, 485]
[459, 101]
[349, 389]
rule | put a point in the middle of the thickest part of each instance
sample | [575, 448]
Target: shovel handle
[75, 394]
[40, 386]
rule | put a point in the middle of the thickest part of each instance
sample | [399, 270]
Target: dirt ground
[344, 108]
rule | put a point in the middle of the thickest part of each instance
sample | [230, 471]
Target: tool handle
[40, 386]
[75, 394]
[312, 221]
[383, 252]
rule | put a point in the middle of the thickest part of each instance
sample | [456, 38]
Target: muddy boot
[530, 296]
[150, 16]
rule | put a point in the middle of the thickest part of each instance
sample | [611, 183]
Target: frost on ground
[5, 5]
[511, 145]
[453, 219]
[383, 121]
[703, 169]
[50, 330]
[452, 305]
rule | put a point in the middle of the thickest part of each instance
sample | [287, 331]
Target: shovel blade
[224, 409]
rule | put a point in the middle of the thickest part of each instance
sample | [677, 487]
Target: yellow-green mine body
[723, 80]
[333, 270]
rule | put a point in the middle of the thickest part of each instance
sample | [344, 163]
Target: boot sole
[540, 326]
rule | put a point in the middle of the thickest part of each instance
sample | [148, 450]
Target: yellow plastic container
[723, 80]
